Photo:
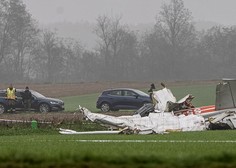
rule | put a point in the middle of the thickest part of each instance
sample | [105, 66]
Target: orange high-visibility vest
[11, 94]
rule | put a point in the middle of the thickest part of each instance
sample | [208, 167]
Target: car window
[129, 93]
[141, 93]
[37, 94]
[115, 93]
[18, 94]
[2, 94]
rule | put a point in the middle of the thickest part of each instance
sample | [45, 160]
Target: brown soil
[74, 89]
[62, 90]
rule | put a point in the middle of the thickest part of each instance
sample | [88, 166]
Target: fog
[67, 41]
[132, 11]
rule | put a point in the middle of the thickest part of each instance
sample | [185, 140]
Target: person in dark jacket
[27, 97]
[152, 88]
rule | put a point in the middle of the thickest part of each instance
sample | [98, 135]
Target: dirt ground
[62, 90]
[74, 89]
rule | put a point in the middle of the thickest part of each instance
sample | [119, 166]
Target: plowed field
[75, 89]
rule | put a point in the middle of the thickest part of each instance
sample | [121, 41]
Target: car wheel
[2, 108]
[105, 107]
[44, 108]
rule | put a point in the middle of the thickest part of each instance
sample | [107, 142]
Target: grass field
[45, 147]
[204, 95]
[183, 149]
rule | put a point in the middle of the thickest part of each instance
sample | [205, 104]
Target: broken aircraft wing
[153, 123]
[167, 114]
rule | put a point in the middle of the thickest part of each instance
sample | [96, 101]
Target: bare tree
[175, 24]
[115, 39]
[154, 51]
[5, 25]
[126, 59]
[72, 69]
[48, 57]
[107, 30]
[103, 31]
[176, 27]
[49, 45]
[23, 35]
[17, 31]
[217, 48]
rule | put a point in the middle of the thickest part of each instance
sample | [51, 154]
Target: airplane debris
[170, 115]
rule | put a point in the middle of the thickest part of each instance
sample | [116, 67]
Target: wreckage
[169, 115]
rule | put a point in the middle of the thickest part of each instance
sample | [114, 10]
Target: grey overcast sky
[132, 11]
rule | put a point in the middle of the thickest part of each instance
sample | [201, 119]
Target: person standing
[11, 97]
[163, 85]
[27, 97]
[152, 88]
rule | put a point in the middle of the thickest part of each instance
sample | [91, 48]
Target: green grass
[204, 95]
[197, 149]
[88, 101]
[25, 147]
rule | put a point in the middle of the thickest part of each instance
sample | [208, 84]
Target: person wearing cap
[27, 97]
[11, 97]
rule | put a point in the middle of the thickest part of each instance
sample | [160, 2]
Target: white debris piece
[153, 123]
[69, 132]
[163, 96]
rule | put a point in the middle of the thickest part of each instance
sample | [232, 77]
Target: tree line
[172, 50]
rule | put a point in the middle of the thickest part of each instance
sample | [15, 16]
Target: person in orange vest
[11, 97]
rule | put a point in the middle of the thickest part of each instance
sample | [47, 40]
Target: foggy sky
[132, 11]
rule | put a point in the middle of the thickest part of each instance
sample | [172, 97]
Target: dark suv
[122, 98]
[39, 102]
